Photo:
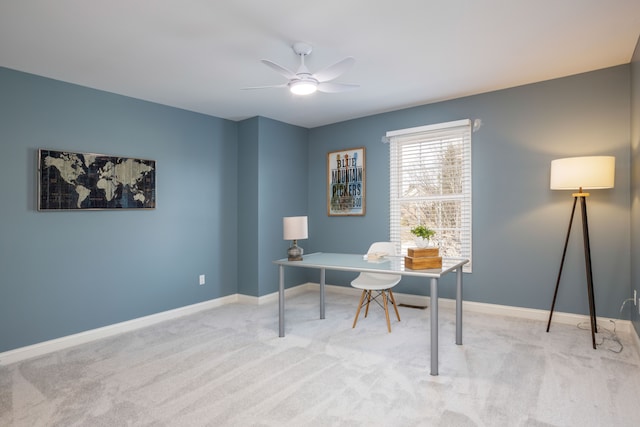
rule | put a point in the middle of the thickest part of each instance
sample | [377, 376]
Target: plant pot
[421, 242]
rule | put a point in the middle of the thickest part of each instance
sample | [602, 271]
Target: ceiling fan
[303, 82]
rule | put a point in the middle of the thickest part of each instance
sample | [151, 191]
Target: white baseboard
[494, 309]
[68, 341]
[27, 352]
[635, 339]
[39, 349]
[273, 297]
[469, 306]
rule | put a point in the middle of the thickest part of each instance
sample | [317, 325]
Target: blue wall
[223, 188]
[272, 170]
[66, 272]
[282, 187]
[519, 224]
[247, 170]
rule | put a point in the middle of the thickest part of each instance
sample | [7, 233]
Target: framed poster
[84, 181]
[346, 182]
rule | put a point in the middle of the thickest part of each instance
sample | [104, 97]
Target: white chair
[381, 283]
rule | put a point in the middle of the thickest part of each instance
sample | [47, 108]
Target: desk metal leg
[434, 326]
[322, 279]
[281, 302]
[459, 306]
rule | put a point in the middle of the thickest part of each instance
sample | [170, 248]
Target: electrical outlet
[202, 279]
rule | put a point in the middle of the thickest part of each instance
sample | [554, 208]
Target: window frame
[430, 135]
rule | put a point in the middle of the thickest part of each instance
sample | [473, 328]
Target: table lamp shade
[295, 227]
[592, 172]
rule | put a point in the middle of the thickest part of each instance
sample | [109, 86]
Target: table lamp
[581, 173]
[295, 227]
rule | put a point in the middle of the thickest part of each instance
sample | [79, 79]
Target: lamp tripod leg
[589, 271]
[564, 253]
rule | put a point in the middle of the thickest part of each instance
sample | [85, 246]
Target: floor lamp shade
[294, 228]
[592, 172]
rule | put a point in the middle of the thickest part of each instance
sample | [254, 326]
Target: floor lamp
[581, 173]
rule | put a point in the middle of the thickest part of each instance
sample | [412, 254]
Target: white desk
[356, 263]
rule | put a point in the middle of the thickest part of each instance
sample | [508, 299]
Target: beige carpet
[227, 367]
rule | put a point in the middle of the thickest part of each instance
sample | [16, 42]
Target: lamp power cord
[608, 334]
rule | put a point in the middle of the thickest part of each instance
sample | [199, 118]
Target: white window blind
[430, 184]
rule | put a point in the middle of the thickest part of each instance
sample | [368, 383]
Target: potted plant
[423, 235]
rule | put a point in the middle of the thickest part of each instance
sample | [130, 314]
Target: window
[431, 185]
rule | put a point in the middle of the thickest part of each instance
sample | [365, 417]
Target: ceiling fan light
[303, 87]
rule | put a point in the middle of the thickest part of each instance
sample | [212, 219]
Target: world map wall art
[84, 181]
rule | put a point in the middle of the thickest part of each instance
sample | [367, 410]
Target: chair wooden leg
[393, 300]
[359, 307]
[366, 311]
[386, 309]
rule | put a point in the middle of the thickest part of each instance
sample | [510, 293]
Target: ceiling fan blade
[336, 87]
[279, 69]
[333, 71]
[265, 87]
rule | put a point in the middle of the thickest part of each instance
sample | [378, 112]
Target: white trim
[68, 341]
[428, 128]
[39, 349]
[635, 337]
[273, 297]
[492, 309]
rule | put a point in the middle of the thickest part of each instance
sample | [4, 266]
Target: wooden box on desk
[422, 258]
[423, 252]
[422, 263]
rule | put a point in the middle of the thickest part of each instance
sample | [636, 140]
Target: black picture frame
[87, 181]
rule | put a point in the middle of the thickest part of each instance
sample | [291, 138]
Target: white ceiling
[199, 54]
